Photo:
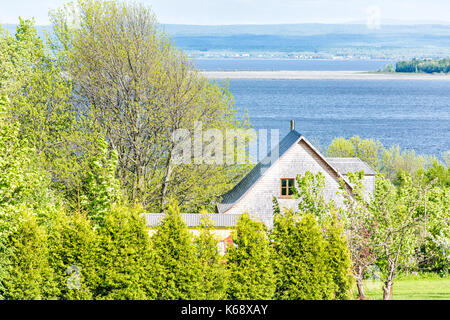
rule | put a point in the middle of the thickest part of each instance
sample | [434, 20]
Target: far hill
[397, 42]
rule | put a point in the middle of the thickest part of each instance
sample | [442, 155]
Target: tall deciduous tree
[100, 189]
[40, 94]
[360, 229]
[140, 89]
[368, 150]
[250, 261]
[398, 221]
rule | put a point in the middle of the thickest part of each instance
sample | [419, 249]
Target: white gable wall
[369, 186]
[297, 160]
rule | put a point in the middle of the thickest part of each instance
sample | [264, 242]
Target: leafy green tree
[16, 54]
[368, 150]
[394, 160]
[40, 95]
[128, 76]
[339, 261]
[126, 264]
[250, 261]
[341, 148]
[21, 180]
[360, 228]
[100, 189]
[24, 199]
[73, 255]
[303, 270]
[433, 252]
[213, 272]
[399, 218]
[426, 66]
[27, 274]
[310, 192]
[177, 264]
[41, 103]
[312, 201]
[439, 172]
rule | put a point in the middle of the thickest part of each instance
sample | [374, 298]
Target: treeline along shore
[321, 75]
[423, 66]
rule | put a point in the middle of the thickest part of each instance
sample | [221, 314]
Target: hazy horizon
[262, 12]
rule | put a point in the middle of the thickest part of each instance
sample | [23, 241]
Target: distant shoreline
[322, 75]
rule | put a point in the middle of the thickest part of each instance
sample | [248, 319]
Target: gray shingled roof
[341, 165]
[238, 191]
[193, 219]
[345, 165]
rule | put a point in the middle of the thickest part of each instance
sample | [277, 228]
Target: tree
[439, 172]
[41, 103]
[213, 272]
[312, 202]
[250, 261]
[140, 90]
[21, 179]
[341, 148]
[178, 268]
[73, 255]
[394, 160]
[302, 267]
[398, 218]
[360, 229]
[28, 275]
[15, 54]
[24, 199]
[434, 234]
[126, 263]
[310, 192]
[339, 260]
[100, 189]
[427, 66]
[368, 150]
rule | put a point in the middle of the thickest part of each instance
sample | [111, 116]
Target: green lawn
[412, 288]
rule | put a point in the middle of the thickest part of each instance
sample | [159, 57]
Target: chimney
[292, 125]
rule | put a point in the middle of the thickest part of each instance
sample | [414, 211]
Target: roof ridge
[255, 174]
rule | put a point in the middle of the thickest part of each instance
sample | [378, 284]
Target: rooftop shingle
[346, 165]
[193, 219]
[229, 198]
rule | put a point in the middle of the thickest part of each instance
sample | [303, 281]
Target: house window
[286, 187]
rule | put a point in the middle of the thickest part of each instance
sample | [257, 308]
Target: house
[273, 177]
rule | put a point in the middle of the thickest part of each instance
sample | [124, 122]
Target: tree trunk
[387, 290]
[359, 285]
[166, 180]
[359, 274]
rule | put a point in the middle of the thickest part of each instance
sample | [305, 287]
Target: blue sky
[258, 11]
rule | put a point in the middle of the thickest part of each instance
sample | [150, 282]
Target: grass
[419, 287]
